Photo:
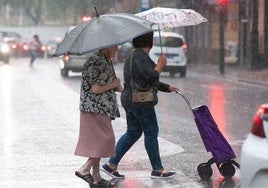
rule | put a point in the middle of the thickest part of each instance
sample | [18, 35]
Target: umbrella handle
[160, 38]
[114, 75]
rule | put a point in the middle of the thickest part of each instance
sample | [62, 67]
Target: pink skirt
[96, 136]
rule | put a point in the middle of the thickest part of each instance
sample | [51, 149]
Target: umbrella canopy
[102, 32]
[171, 17]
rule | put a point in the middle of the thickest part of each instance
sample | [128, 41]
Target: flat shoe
[113, 173]
[88, 178]
[162, 175]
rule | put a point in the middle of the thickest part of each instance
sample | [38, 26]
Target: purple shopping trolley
[214, 141]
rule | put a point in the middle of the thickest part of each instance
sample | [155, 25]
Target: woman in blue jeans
[145, 73]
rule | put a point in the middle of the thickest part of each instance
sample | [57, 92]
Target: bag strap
[130, 68]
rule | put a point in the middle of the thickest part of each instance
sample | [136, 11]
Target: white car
[254, 154]
[175, 48]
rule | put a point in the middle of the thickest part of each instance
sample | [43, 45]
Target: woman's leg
[85, 169]
[127, 140]
[31, 57]
[96, 169]
[84, 172]
[150, 127]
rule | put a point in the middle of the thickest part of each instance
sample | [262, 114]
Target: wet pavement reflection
[39, 128]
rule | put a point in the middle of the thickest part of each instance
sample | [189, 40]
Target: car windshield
[168, 41]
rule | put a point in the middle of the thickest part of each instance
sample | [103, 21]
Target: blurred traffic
[13, 44]
[173, 45]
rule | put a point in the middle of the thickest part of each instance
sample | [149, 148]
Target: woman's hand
[115, 84]
[171, 89]
[162, 61]
[119, 88]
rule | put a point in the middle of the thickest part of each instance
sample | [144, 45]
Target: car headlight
[5, 48]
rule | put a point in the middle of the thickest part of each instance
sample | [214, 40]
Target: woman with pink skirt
[98, 107]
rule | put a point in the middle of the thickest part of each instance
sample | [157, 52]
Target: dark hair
[143, 41]
[36, 36]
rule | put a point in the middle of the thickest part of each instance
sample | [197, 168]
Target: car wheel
[64, 72]
[172, 74]
[6, 60]
[204, 171]
[183, 74]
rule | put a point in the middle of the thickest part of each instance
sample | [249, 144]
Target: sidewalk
[233, 72]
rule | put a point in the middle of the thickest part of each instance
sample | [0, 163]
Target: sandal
[88, 178]
[103, 183]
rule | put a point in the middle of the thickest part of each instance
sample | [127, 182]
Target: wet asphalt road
[39, 119]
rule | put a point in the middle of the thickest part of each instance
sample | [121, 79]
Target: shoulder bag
[140, 97]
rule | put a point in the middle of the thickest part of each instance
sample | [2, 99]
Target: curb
[233, 72]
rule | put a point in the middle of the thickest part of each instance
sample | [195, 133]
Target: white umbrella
[103, 31]
[171, 17]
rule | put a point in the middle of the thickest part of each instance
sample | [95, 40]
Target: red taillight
[49, 47]
[43, 48]
[5, 39]
[185, 46]
[66, 57]
[262, 109]
[257, 125]
[86, 18]
[14, 46]
[25, 47]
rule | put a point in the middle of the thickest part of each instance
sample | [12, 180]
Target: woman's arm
[165, 87]
[115, 84]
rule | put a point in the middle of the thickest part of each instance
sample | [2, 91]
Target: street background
[39, 123]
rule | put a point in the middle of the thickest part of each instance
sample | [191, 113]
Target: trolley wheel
[227, 170]
[204, 171]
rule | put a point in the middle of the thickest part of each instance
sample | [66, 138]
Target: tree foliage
[66, 12]
[56, 11]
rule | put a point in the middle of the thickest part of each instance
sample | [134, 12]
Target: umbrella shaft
[160, 39]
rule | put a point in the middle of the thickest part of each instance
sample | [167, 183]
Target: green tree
[32, 8]
[254, 36]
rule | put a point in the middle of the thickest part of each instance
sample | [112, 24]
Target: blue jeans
[140, 121]
[33, 55]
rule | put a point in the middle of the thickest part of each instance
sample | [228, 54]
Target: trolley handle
[185, 98]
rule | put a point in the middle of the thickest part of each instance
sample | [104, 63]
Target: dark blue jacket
[143, 74]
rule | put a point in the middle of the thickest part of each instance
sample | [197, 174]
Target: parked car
[5, 50]
[52, 45]
[254, 154]
[71, 62]
[174, 47]
[22, 48]
[12, 39]
[123, 52]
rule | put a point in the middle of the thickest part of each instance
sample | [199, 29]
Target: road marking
[138, 152]
[68, 113]
[69, 101]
